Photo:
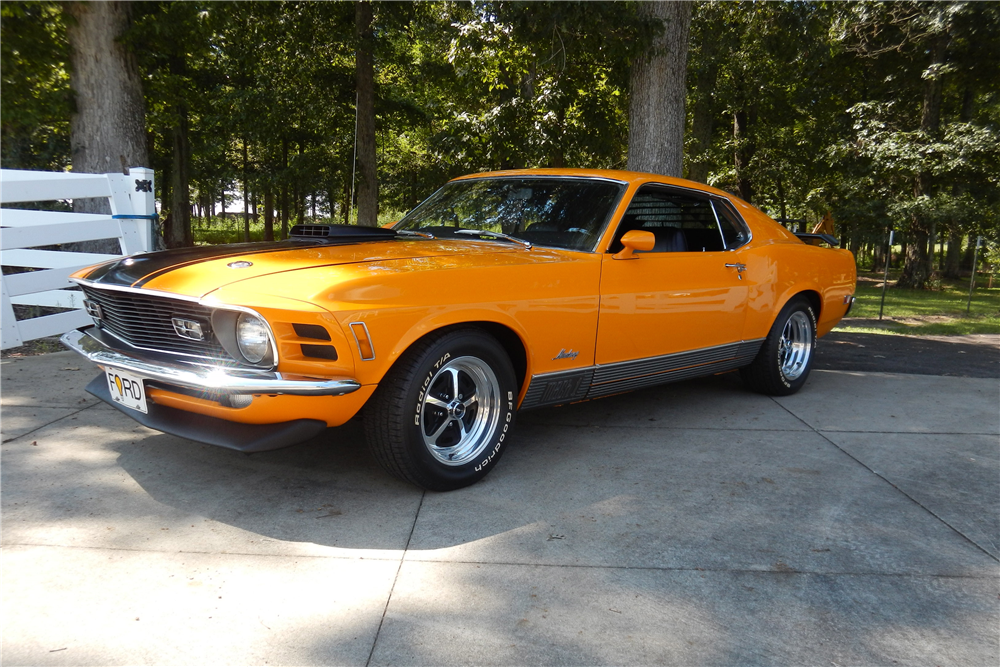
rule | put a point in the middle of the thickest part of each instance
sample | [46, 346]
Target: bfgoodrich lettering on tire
[785, 359]
[441, 418]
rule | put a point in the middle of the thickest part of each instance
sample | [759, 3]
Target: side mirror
[636, 239]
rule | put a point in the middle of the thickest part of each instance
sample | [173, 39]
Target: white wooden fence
[23, 233]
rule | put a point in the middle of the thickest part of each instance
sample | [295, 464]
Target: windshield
[568, 213]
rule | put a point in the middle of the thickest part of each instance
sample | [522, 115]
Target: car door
[686, 297]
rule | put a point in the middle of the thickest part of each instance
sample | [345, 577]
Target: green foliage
[34, 85]
[830, 95]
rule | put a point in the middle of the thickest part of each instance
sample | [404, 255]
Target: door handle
[740, 268]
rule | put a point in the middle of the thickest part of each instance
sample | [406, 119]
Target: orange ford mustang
[503, 291]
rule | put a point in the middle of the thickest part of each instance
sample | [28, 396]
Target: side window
[734, 230]
[680, 222]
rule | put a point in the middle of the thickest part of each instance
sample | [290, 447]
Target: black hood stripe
[138, 270]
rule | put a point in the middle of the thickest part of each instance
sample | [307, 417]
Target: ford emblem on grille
[192, 329]
[242, 264]
[93, 309]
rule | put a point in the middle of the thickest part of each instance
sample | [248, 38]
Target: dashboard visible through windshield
[567, 213]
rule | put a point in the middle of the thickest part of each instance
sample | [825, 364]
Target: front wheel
[783, 363]
[441, 417]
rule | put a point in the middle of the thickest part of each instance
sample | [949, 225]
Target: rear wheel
[783, 363]
[441, 417]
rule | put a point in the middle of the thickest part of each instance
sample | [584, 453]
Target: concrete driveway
[855, 523]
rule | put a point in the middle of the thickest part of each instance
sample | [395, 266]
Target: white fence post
[26, 237]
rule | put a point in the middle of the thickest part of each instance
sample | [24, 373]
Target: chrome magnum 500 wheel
[441, 417]
[785, 359]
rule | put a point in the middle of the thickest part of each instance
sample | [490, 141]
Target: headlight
[252, 336]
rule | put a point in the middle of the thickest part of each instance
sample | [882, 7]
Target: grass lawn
[939, 312]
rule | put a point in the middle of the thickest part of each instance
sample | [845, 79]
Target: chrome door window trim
[718, 224]
[552, 176]
[725, 203]
[712, 198]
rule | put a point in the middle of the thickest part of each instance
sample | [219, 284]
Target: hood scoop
[341, 233]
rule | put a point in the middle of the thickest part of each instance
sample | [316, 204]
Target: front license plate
[126, 389]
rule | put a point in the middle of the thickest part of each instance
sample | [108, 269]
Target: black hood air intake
[341, 233]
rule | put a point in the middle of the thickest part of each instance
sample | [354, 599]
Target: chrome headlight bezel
[253, 337]
[225, 325]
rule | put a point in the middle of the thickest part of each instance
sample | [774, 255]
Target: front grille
[144, 321]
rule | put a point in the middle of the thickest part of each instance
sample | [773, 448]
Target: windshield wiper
[408, 232]
[495, 235]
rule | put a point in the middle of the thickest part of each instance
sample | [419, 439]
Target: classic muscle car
[501, 292]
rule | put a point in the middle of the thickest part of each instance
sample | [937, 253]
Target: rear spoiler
[811, 238]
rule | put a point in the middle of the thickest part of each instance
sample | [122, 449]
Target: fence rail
[30, 240]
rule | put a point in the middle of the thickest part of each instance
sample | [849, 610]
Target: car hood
[200, 270]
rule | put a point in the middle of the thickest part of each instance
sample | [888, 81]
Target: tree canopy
[887, 115]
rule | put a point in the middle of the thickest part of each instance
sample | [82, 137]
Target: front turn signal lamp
[364, 341]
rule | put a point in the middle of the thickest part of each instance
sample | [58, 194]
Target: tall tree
[918, 267]
[656, 116]
[707, 47]
[367, 168]
[108, 128]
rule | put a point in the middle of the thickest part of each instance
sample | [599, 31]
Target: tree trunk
[246, 195]
[743, 152]
[657, 88]
[294, 209]
[703, 113]
[284, 189]
[108, 126]
[915, 267]
[177, 229]
[918, 267]
[347, 196]
[953, 260]
[367, 166]
[269, 213]
[300, 195]
[781, 198]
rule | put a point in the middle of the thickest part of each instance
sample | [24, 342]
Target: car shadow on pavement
[751, 488]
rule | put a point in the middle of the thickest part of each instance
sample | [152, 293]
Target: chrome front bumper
[213, 379]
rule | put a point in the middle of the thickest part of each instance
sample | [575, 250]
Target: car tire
[783, 363]
[442, 416]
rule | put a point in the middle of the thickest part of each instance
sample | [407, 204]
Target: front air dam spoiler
[245, 438]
